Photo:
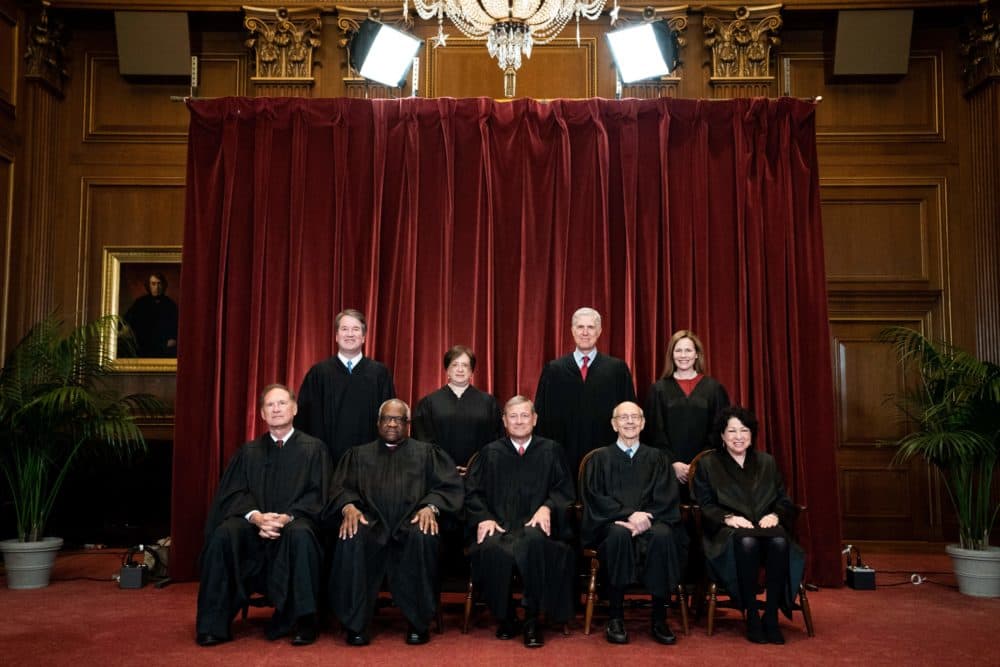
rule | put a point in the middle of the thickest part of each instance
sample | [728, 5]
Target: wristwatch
[434, 509]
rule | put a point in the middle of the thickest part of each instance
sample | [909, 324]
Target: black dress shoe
[305, 631]
[414, 636]
[208, 639]
[508, 629]
[615, 632]
[357, 638]
[755, 629]
[533, 637]
[772, 632]
[662, 633]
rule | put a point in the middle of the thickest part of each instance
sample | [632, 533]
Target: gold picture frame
[127, 272]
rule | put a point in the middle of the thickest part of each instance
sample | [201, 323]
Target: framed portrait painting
[142, 286]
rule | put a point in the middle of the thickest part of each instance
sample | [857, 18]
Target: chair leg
[711, 607]
[468, 609]
[566, 629]
[591, 596]
[806, 611]
[682, 603]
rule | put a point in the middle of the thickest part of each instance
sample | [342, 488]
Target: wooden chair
[715, 589]
[590, 556]
[470, 592]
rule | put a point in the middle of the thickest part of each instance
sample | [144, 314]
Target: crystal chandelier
[509, 27]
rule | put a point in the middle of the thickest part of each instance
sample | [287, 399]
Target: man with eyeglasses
[262, 533]
[340, 396]
[631, 515]
[389, 494]
[518, 491]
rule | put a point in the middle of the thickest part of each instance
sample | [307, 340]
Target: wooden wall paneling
[880, 499]
[884, 232]
[908, 110]
[119, 110]
[124, 211]
[6, 243]
[464, 68]
[10, 61]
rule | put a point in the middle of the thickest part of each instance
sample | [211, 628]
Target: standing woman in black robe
[682, 405]
[458, 417]
[745, 512]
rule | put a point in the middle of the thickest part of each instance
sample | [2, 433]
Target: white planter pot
[978, 572]
[29, 564]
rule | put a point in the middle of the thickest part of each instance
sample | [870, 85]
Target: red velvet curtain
[485, 223]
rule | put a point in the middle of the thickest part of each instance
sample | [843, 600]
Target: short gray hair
[586, 311]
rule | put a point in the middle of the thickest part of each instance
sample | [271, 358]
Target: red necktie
[583, 367]
[520, 450]
[279, 443]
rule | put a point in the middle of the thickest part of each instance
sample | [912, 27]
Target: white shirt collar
[288, 436]
[625, 448]
[354, 360]
[578, 355]
[516, 446]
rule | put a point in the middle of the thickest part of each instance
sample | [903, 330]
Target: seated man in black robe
[631, 516]
[518, 491]
[389, 494]
[262, 530]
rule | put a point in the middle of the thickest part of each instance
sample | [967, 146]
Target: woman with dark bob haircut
[458, 417]
[745, 512]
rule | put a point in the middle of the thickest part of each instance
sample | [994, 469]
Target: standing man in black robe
[339, 397]
[518, 492]
[390, 494]
[631, 516]
[577, 392]
[262, 534]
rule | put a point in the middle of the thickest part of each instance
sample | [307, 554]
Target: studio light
[381, 53]
[643, 51]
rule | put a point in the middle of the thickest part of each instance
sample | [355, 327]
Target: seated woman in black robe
[745, 512]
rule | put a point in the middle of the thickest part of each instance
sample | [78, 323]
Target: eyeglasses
[388, 419]
[629, 418]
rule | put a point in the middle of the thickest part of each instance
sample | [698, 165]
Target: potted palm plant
[55, 408]
[954, 415]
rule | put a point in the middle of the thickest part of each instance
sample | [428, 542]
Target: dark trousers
[751, 551]
[545, 566]
[237, 562]
[409, 560]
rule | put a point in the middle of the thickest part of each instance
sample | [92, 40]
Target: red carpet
[81, 622]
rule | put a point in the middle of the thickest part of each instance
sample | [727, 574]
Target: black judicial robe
[614, 487]
[293, 480]
[509, 488]
[153, 320]
[460, 425]
[341, 408]
[388, 486]
[682, 424]
[575, 413]
[722, 487]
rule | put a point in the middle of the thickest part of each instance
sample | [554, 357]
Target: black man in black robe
[389, 494]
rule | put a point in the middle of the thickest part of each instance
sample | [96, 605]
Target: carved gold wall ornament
[283, 41]
[349, 20]
[980, 47]
[740, 41]
[676, 19]
[45, 57]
